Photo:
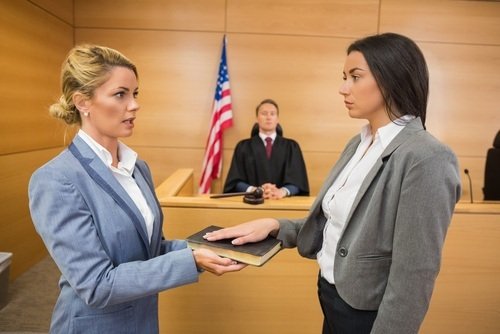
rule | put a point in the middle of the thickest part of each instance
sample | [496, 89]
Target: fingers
[241, 234]
[252, 231]
[245, 239]
[269, 190]
[221, 270]
[225, 233]
[268, 186]
[211, 262]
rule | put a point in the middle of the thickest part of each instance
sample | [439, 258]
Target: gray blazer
[111, 274]
[389, 253]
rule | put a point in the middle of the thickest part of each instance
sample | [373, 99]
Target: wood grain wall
[289, 50]
[293, 51]
[34, 38]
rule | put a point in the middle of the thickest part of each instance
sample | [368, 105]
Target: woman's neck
[109, 143]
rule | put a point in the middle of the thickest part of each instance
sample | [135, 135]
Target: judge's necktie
[269, 146]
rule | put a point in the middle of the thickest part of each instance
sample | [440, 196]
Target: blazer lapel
[409, 130]
[96, 169]
[336, 170]
[147, 190]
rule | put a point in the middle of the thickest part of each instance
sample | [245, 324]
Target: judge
[268, 160]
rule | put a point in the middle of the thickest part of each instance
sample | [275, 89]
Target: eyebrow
[355, 69]
[125, 88]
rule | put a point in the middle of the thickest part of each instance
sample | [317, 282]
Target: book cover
[256, 253]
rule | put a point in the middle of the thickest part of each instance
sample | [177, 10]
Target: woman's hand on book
[209, 261]
[252, 231]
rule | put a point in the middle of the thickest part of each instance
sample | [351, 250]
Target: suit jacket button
[343, 251]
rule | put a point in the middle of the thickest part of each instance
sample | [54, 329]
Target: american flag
[222, 118]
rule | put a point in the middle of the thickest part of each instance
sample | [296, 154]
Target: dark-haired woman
[379, 222]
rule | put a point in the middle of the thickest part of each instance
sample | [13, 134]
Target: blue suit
[111, 273]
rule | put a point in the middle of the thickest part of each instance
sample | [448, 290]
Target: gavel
[250, 197]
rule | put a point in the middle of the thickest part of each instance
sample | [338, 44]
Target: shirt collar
[264, 136]
[126, 155]
[386, 133]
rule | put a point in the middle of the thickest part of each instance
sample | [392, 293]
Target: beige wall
[283, 49]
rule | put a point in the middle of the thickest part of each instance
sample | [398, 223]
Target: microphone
[250, 197]
[466, 171]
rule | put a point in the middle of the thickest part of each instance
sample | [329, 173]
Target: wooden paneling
[35, 38]
[463, 105]
[279, 297]
[63, 9]
[37, 43]
[199, 15]
[295, 17]
[466, 298]
[312, 112]
[448, 21]
[17, 233]
[303, 73]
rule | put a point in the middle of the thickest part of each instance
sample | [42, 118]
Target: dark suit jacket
[389, 254]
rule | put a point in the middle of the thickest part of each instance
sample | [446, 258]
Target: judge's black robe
[250, 165]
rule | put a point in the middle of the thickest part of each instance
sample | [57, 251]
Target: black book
[256, 253]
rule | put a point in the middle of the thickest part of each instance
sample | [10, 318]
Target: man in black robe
[281, 172]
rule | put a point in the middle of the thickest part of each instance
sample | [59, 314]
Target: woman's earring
[86, 113]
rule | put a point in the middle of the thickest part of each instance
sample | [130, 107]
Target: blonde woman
[95, 208]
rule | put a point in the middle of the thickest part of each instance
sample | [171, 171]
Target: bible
[256, 253]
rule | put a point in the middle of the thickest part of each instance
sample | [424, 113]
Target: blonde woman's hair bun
[61, 110]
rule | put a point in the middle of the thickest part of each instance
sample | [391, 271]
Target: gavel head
[255, 197]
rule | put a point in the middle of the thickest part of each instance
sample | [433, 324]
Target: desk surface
[177, 191]
[300, 203]
[297, 203]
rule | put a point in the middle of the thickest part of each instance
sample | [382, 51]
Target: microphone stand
[466, 171]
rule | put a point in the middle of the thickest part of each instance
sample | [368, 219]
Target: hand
[211, 262]
[269, 190]
[252, 231]
[278, 193]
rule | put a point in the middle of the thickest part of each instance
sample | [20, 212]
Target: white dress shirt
[123, 174]
[263, 136]
[338, 200]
